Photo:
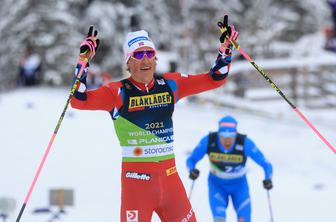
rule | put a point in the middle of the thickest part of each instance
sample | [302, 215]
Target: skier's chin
[147, 72]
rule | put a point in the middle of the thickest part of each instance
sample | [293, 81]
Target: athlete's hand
[89, 46]
[193, 174]
[220, 69]
[268, 184]
[228, 35]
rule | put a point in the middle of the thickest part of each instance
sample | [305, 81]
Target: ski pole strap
[79, 71]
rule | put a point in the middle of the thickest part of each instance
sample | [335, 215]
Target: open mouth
[145, 68]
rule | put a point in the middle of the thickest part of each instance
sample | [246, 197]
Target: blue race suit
[227, 175]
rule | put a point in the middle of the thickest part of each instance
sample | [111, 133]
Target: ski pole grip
[234, 43]
[81, 65]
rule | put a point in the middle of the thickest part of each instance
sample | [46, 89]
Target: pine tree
[54, 29]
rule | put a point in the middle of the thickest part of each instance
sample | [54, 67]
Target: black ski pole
[274, 86]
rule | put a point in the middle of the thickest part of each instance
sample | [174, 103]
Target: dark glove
[229, 34]
[220, 69]
[268, 184]
[89, 46]
[193, 174]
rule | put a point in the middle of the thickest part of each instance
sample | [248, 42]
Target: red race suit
[142, 117]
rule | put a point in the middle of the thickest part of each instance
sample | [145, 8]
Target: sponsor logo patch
[132, 215]
[171, 171]
[228, 124]
[227, 158]
[138, 176]
[239, 147]
[188, 216]
[151, 101]
[128, 86]
[138, 151]
[161, 82]
[160, 150]
[132, 142]
[156, 140]
[137, 39]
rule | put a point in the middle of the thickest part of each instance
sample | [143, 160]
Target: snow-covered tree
[54, 29]
[47, 27]
[112, 21]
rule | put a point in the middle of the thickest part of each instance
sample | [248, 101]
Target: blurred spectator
[30, 69]
[93, 78]
[241, 84]
[329, 32]
[97, 78]
[332, 4]
[106, 77]
[330, 43]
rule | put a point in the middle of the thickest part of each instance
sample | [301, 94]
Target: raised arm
[185, 85]
[103, 98]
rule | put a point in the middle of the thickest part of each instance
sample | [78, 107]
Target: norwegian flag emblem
[141, 43]
[132, 215]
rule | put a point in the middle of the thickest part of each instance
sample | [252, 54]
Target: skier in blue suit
[228, 151]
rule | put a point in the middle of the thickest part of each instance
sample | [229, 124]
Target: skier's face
[227, 142]
[142, 64]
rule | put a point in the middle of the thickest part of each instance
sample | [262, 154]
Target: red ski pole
[88, 49]
[274, 86]
[80, 66]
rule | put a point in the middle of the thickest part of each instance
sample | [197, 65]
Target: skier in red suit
[141, 108]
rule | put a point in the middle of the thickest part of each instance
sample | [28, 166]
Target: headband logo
[137, 39]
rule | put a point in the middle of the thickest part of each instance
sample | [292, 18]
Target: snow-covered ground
[86, 157]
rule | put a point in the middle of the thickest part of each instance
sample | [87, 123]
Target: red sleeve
[186, 85]
[104, 98]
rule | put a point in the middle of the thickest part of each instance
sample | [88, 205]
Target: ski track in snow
[86, 157]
